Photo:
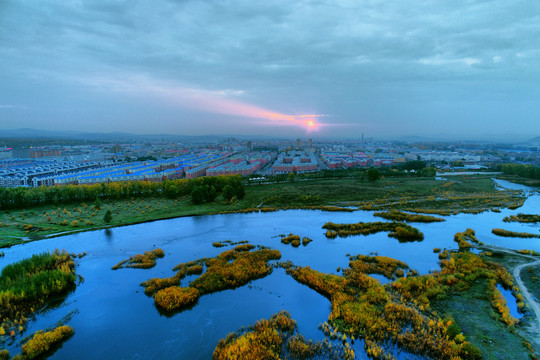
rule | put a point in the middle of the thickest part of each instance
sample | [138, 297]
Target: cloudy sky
[460, 68]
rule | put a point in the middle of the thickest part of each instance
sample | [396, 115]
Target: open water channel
[113, 318]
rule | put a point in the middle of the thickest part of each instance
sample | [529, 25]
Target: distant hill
[413, 138]
[116, 136]
[536, 139]
[26, 133]
[34, 133]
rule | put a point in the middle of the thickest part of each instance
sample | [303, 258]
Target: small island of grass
[295, 240]
[398, 230]
[523, 218]
[508, 233]
[42, 342]
[230, 269]
[388, 267]
[141, 261]
[396, 215]
[27, 284]
[277, 338]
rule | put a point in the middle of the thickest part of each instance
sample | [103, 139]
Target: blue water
[511, 302]
[113, 318]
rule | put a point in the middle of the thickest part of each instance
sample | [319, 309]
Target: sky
[332, 69]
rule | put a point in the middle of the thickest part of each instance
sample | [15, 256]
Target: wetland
[253, 275]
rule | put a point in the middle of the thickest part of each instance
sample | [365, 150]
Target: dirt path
[534, 305]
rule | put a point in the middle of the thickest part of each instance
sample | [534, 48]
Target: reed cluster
[42, 342]
[398, 314]
[398, 230]
[27, 284]
[522, 218]
[228, 270]
[146, 260]
[397, 215]
[508, 233]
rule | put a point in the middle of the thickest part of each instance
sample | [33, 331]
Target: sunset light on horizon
[415, 69]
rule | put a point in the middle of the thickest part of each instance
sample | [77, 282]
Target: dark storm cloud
[387, 66]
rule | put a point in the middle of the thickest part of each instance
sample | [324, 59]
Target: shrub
[289, 238]
[155, 284]
[41, 342]
[508, 233]
[244, 247]
[470, 352]
[195, 269]
[402, 216]
[453, 330]
[176, 297]
[141, 261]
[263, 341]
[222, 274]
[107, 218]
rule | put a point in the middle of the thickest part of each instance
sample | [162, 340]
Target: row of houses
[16, 172]
[171, 168]
[242, 165]
[297, 161]
[48, 173]
[338, 160]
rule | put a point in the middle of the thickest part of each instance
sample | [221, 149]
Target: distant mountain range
[27, 133]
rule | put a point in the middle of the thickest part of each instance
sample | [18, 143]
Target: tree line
[526, 171]
[228, 186]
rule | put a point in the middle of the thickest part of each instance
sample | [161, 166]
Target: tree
[97, 204]
[373, 175]
[292, 175]
[211, 194]
[414, 165]
[429, 171]
[240, 191]
[107, 217]
[198, 195]
[228, 192]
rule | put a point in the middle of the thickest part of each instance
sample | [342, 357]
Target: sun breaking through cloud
[210, 101]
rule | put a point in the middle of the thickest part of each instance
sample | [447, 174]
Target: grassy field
[475, 316]
[418, 194]
[531, 279]
[31, 224]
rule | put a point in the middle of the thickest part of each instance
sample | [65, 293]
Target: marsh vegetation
[228, 270]
[523, 218]
[399, 313]
[276, 338]
[146, 260]
[28, 284]
[396, 215]
[508, 233]
[398, 230]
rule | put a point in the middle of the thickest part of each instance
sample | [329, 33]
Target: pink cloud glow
[216, 102]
